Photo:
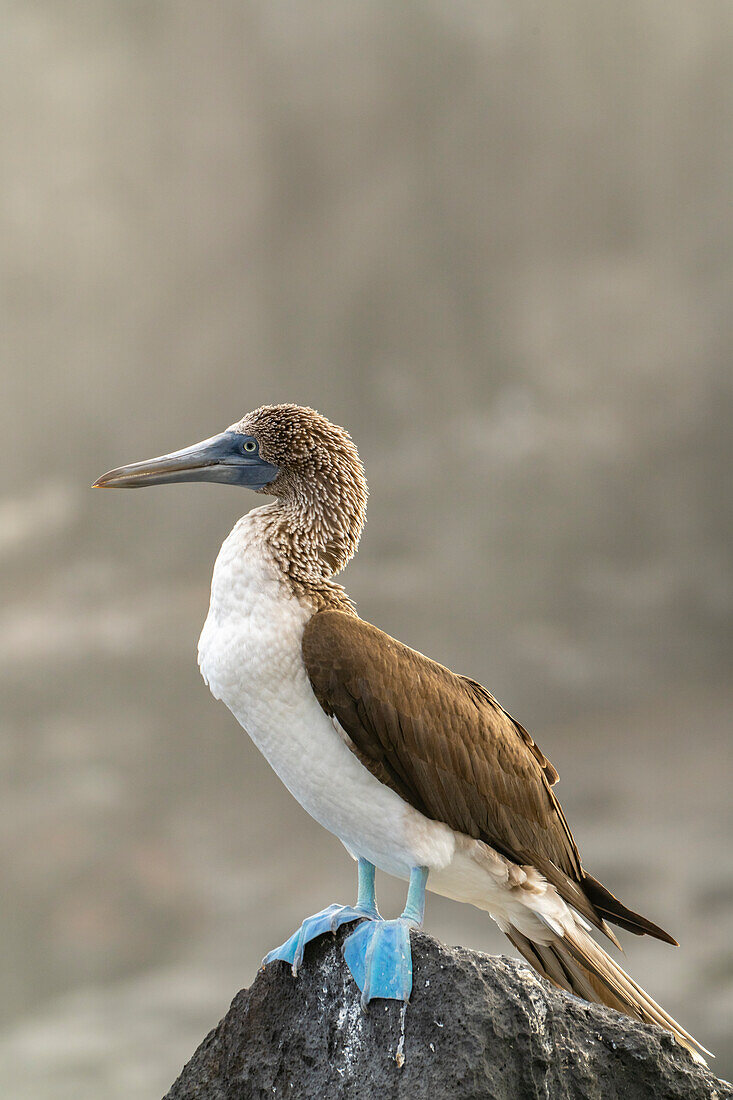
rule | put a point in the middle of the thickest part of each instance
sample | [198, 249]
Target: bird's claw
[328, 920]
[379, 957]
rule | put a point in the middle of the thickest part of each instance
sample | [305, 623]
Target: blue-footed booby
[417, 770]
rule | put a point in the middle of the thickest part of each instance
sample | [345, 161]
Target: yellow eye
[250, 446]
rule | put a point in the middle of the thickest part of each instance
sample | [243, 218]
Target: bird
[418, 770]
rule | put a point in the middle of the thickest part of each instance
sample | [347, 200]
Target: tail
[576, 963]
[610, 908]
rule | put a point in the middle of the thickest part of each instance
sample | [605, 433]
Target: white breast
[250, 656]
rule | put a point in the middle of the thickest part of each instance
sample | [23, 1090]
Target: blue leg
[328, 920]
[379, 956]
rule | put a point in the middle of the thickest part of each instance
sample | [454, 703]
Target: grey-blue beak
[230, 458]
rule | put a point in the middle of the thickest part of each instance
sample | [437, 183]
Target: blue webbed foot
[328, 920]
[379, 957]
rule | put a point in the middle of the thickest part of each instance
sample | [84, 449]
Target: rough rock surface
[476, 1027]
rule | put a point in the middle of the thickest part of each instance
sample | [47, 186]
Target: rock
[476, 1027]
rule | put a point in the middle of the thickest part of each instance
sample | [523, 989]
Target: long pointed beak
[221, 458]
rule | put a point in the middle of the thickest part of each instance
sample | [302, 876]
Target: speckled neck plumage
[294, 549]
[314, 527]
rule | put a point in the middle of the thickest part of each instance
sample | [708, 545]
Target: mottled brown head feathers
[321, 488]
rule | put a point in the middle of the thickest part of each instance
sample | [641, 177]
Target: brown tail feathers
[611, 909]
[576, 963]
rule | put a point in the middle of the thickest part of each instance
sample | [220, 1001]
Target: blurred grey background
[494, 240]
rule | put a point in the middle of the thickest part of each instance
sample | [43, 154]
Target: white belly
[250, 656]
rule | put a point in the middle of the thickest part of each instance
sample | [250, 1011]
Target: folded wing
[445, 745]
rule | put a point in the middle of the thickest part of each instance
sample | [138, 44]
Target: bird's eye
[250, 446]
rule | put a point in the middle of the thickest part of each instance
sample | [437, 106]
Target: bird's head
[289, 451]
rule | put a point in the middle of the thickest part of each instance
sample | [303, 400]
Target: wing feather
[445, 745]
[440, 740]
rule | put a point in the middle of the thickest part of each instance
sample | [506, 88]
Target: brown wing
[451, 751]
[440, 740]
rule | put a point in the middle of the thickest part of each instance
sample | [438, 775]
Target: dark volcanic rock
[476, 1027]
